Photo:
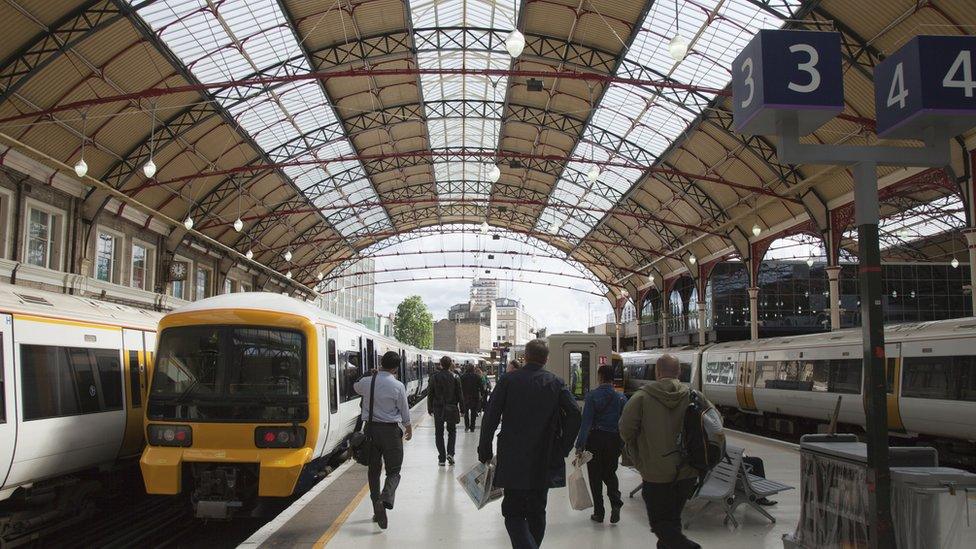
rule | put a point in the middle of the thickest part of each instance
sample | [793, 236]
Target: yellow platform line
[341, 519]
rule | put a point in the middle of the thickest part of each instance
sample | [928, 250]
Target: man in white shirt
[389, 413]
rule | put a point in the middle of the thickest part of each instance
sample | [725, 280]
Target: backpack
[701, 441]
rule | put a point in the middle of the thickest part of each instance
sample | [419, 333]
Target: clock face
[177, 270]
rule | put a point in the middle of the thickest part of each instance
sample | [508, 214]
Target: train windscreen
[230, 373]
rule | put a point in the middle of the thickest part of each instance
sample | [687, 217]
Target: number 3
[747, 68]
[809, 67]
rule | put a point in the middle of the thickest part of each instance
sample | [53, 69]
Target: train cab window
[266, 362]
[135, 388]
[110, 377]
[333, 378]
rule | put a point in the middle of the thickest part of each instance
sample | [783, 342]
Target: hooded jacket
[649, 427]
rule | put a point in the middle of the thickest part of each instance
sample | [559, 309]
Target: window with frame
[43, 238]
[349, 372]
[142, 266]
[66, 381]
[5, 199]
[106, 256]
[333, 378]
[202, 281]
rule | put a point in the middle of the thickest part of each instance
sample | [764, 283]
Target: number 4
[964, 61]
[897, 83]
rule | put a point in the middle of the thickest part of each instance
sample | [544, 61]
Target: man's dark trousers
[387, 441]
[470, 415]
[602, 469]
[525, 516]
[665, 501]
[439, 425]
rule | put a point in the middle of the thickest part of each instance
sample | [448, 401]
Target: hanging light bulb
[678, 47]
[494, 173]
[810, 261]
[484, 227]
[650, 278]
[149, 168]
[321, 275]
[188, 223]
[692, 259]
[593, 174]
[287, 255]
[756, 229]
[288, 275]
[81, 168]
[954, 263]
[249, 255]
[515, 43]
[238, 225]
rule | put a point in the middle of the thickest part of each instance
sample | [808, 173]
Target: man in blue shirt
[600, 435]
[389, 412]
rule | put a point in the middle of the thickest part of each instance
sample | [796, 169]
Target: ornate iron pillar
[701, 322]
[753, 313]
[833, 274]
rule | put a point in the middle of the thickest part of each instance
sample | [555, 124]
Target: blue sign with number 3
[787, 73]
[929, 82]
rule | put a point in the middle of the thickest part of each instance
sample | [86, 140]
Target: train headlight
[170, 435]
[279, 437]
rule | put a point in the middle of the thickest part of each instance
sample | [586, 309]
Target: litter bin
[933, 507]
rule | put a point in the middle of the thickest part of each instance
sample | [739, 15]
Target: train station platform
[432, 510]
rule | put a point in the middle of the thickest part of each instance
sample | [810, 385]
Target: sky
[556, 309]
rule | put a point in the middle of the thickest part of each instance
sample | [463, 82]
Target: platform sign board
[787, 73]
[930, 81]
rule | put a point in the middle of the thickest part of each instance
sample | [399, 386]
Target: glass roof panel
[237, 39]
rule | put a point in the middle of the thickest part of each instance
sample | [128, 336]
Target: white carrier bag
[579, 489]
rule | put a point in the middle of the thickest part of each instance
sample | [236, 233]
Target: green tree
[414, 325]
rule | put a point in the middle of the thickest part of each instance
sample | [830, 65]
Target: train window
[719, 372]
[890, 374]
[349, 373]
[333, 378]
[966, 369]
[48, 384]
[135, 388]
[579, 365]
[3, 393]
[929, 377]
[81, 363]
[685, 374]
[110, 378]
[845, 376]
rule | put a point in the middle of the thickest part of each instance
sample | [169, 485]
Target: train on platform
[252, 396]
[73, 375]
[792, 385]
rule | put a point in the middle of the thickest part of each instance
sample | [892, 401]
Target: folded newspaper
[478, 484]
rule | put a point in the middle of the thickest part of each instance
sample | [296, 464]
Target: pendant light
[149, 168]
[954, 263]
[250, 254]
[81, 167]
[287, 255]
[494, 173]
[288, 275]
[484, 227]
[593, 174]
[321, 275]
[678, 47]
[650, 278]
[692, 259]
[810, 261]
[238, 225]
[515, 43]
[188, 223]
[756, 230]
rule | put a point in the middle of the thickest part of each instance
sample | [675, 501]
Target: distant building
[484, 291]
[462, 337]
[352, 297]
[515, 326]
[382, 324]
[541, 333]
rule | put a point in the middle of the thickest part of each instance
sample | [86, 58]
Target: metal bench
[750, 488]
[720, 487]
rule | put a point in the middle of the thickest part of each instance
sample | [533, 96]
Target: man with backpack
[653, 426]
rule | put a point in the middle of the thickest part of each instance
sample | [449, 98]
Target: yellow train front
[233, 409]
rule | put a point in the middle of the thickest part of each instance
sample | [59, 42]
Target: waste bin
[933, 507]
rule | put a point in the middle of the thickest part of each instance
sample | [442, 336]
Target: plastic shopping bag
[579, 491]
[478, 483]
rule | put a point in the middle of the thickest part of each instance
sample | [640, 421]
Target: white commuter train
[792, 384]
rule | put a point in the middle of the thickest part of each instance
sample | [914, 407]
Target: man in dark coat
[473, 387]
[444, 403]
[539, 423]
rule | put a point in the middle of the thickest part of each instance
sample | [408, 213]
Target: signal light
[169, 435]
[279, 437]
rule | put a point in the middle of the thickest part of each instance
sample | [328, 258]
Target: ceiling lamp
[249, 255]
[756, 229]
[238, 225]
[287, 255]
[650, 278]
[593, 174]
[484, 227]
[515, 43]
[810, 261]
[149, 168]
[321, 275]
[81, 168]
[692, 259]
[678, 47]
[954, 263]
[494, 173]
[288, 275]
[188, 223]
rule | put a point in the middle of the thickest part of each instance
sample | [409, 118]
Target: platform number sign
[787, 73]
[929, 82]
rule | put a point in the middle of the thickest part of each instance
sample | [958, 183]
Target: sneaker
[379, 514]
[450, 460]
[614, 514]
[596, 518]
[440, 462]
[765, 502]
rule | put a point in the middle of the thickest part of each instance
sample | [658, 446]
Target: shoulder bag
[361, 442]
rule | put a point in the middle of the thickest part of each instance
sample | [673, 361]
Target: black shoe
[765, 502]
[596, 518]
[450, 460]
[388, 504]
[614, 514]
[440, 461]
[379, 514]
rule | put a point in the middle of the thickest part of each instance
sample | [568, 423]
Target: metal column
[833, 276]
[754, 313]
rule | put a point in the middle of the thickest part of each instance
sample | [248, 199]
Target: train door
[370, 358]
[8, 403]
[747, 375]
[893, 384]
[327, 377]
[134, 374]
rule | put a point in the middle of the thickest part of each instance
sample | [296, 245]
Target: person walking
[600, 434]
[649, 426]
[444, 403]
[472, 387]
[539, 422]
[390, 412]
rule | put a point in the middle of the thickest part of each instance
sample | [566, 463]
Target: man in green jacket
[649, 427]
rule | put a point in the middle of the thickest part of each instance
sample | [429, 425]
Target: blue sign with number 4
[929, 82]
[787, 73]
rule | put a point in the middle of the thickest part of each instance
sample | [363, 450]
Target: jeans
[439, 425]
[525, 516]
[602, 469]
[470, 415]
[387, 451]
[665, 501]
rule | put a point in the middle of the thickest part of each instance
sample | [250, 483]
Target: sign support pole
[864, 161]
